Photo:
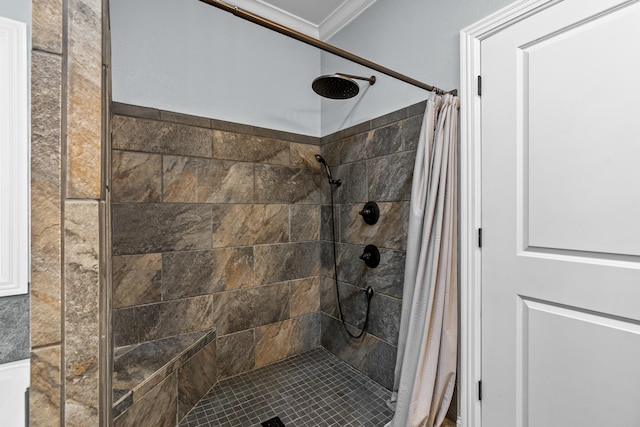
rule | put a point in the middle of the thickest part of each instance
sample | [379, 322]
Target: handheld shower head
[321, 160]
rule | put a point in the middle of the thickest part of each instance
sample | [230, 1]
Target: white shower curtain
[427, 346]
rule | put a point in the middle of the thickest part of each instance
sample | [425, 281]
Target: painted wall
[188, 57]
[192, 58]
[14, 311]
[418, 38]
[19, 10]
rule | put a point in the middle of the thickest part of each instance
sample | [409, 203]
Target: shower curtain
[427, 346]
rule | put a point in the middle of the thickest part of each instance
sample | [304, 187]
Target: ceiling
[316, 18]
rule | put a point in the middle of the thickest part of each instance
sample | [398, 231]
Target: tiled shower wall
[215, 225]
[375, 162]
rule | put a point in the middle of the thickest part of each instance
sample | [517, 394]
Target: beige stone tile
[136, 177]
[304, 155]
[82, 291]
[84, 114]
[46, 252]
[273, 342]
[46, 20]
[44, 390]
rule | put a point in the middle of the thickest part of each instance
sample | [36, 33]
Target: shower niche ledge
[178, 369]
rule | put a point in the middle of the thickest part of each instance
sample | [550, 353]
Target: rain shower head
[339, 86]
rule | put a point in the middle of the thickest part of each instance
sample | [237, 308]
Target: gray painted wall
[14, 311]
[191, 58]
[188, 57]
[418, 38]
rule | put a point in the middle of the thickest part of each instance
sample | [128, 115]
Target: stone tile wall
[66, 140]
[375, 162]
[215, 224]
[14, 333]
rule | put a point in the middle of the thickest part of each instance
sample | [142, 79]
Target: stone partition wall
[66, 157]
[375, 161]
[215, 224]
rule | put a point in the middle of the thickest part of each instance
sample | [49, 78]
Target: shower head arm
[371, 80]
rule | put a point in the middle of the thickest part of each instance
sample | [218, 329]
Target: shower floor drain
[273, 422]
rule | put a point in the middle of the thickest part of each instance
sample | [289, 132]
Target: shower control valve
[371, 256]
[370, 213]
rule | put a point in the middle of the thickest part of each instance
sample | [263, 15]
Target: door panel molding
[14, 159]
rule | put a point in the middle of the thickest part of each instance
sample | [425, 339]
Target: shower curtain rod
[322, 45]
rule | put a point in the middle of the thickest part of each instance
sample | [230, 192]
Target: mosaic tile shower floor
[313, 389]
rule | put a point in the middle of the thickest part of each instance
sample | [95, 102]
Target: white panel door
[561, 218]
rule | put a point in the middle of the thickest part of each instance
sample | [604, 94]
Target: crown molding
[342, 16]
[278, 15]
[337, 20]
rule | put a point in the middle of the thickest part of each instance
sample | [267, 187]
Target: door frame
[470, 409]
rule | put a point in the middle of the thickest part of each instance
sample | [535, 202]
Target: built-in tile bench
[156, 383]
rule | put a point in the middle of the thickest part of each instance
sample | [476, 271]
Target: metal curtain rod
[322, 45]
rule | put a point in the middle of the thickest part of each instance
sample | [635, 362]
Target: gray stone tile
[384, 318]
[248, 308]
[242, 225]
[354, 183]
[392, 117]
[411, 132]
[136, 279]
[250, 148]
[388, 232]
[371, 356]
[236, 353]
[152, 227]
[386, 279]
[121, 109]
[278, 263]
[137, 134]
[14, 333]
[328, 297]
[196, 377]
[305, 222]
[187, 274]
[203, 272]
[306, 333]
[161, 320]
[185, 119]
[179, 179]
[280, 184]
[145, 411]
[46, 183]
[225, 182]
[313, 389]
[305, 296]
[136, 177]
[331, 153]
[353, 148]
[389, 177]
[384, 140]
